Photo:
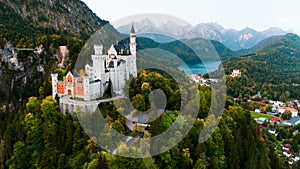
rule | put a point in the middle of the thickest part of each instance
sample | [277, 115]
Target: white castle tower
[54, 84]
[99, 75]
[118, 65]
[132, 64]
[98, 62]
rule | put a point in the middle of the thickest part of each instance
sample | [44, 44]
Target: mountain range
[233, 39]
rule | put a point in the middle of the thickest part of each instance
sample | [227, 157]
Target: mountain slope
[211, 31]
[258, 46]
[273, 31]
[45, 26]
[243, 39]
[280, 54]
[210, 49]
[273, 69]
[191, 51]
[30, 17]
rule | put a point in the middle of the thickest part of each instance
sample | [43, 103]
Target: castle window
[69, 92]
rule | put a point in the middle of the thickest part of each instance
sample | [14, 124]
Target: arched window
[69, 92]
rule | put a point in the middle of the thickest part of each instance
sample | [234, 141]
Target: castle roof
[75, 74]
[132, 31]
[122, 49]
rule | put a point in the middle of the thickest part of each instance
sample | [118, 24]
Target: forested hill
[27, 18]
[41, 137]
[281, 55]
[190, 50]
[276, 61]
[266, 44]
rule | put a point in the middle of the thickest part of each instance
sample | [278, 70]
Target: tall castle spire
[132, 31]
[132, 66]
[132, 41]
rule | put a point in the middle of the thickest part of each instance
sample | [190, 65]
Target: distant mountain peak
[147, 22]
[291, 31]
[212, 25]
[234, 39]
[248, 29]
[274, 31]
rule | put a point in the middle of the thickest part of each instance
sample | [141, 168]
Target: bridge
[66, 102]
[27, 49]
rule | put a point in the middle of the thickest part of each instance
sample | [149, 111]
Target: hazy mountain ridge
[275, 31]
[233, 39]
[191, 51]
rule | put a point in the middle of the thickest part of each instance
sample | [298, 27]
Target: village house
[287, 147]
[293, 122]
[276, 105]
[196, 78]
[261, 120]
[297, 157]
[257, 110]
[275, 119]
[287, 153]
[294, 112]
[272, 113]
[236, 73]
[272, 131]
[295, 132]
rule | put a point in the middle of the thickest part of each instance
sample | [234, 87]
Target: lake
[200, 68]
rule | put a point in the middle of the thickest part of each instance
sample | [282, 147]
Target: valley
[252, 76]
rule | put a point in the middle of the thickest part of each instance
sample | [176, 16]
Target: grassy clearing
[258, 115]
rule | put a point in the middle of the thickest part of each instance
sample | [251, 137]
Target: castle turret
[132, 64]
[54, 84]
[86, 88]
[98, 49]
[132, 41]
[98, 62]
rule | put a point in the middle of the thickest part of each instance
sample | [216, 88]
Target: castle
[117, 66]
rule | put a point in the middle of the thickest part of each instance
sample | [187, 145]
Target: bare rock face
[63, 55]
[9, 56]
[7, 52]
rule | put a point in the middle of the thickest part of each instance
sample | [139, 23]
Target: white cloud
[229, 13]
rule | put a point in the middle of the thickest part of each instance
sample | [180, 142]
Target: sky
[237, 14]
